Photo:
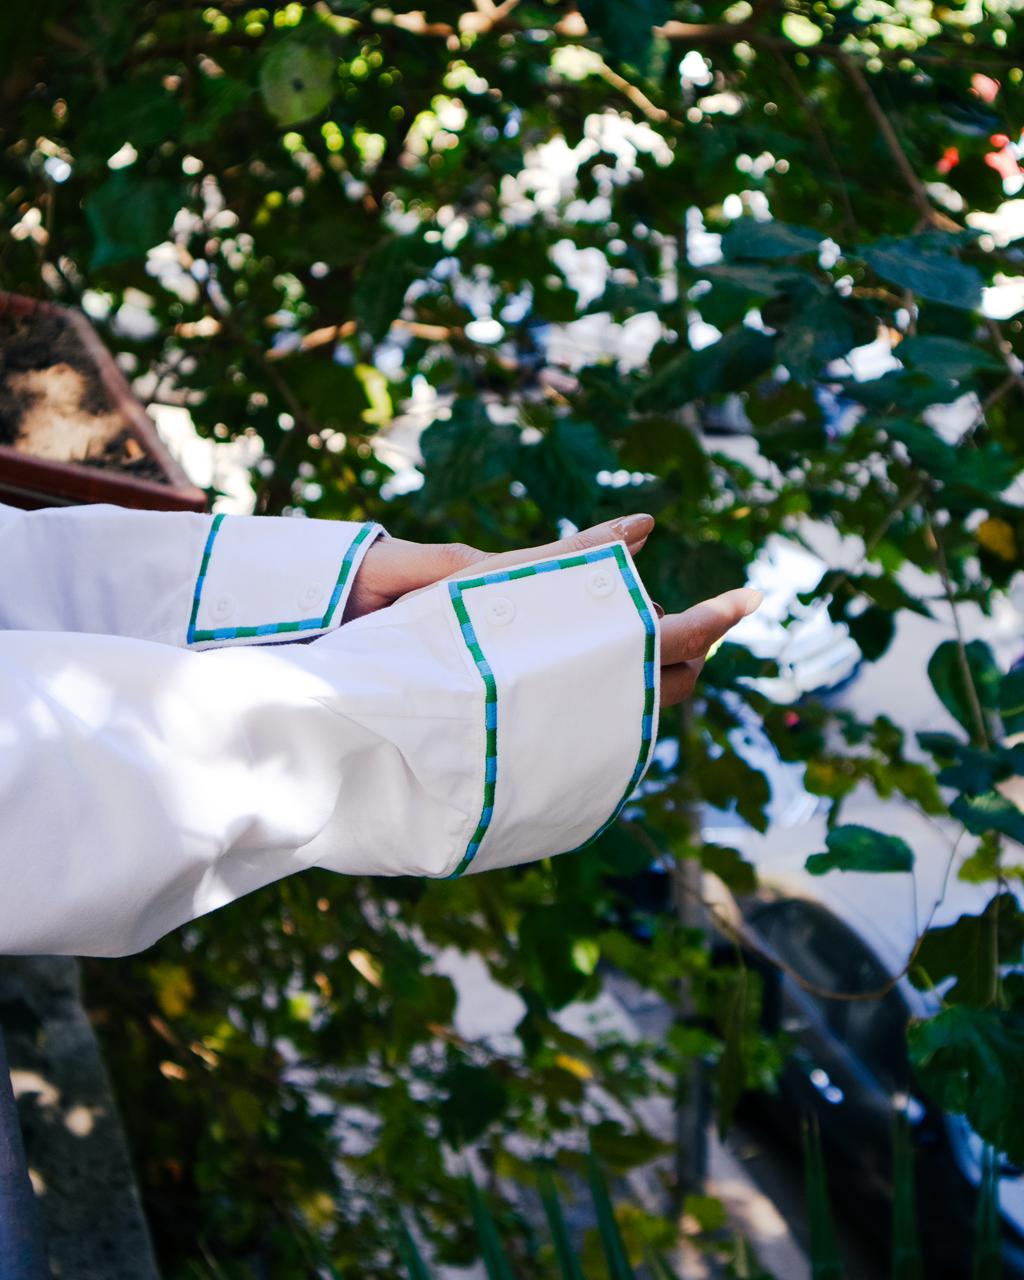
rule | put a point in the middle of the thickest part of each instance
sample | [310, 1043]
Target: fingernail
[752, 600]
[629, 528]
[658, 609]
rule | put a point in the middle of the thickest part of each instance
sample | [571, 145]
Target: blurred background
[491, 273]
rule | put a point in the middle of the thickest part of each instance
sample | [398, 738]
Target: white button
[601, 582]
[222, 609]
[500, 611]
[311, 596]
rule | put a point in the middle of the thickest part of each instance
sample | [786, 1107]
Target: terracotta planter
[27, 480]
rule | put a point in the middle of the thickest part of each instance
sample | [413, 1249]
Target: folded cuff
[269, 579]
[567, 653]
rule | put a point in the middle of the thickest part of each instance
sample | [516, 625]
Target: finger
[678, 681]
[632, 530]
[691, 634]
[408, 566]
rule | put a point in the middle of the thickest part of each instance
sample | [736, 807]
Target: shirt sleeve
[176, 577]
[472, 725]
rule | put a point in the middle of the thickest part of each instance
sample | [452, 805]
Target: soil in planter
[53, 403]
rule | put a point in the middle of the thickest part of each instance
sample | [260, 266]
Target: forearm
[175, 578]
[142, 785]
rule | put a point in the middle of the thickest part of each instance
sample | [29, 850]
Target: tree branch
[914, 184]
[849, 218]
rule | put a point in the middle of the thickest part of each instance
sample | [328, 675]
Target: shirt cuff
[567, 654]
[269, 579]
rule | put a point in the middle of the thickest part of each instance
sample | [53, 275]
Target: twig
[743, 938]
[849, 218]
[842, 576]
[639, 99]
[914, 184]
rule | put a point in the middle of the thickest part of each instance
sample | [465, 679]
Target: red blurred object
[29, 481]
[985, 87]
[950, 159]
[1003, 161]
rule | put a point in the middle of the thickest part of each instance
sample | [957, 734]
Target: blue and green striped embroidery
[456, 591]
[271, 628]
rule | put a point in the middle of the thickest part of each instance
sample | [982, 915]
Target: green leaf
[466, 452]
[975, 772]
[220, 98]
[824, 1248]
[625, 27]
[663, 1271]
[129, 215]
[141, 112]
[731, 1074]
[746, 278]
[939, 277]
[972, 951]
[886, 591]
[496, 1261]
[1011, 701]
[476, 1098]
[623, 1150]
[945, 671]
[611, 1238]
[730, 364]
[752, 238]
[856, 848]
[731, 665]
[730, 867]
[384, 279]
[988, 1228]
[548, 937]
[873, 630]
[560, 470]
[991, 811]
[906, 1240]
[946, 357]
[971, 1062]
[709, 1211]
[413, 1261]
[627, 299]
[944, 746]
[568, 1263]
[985, 471]
[621, 850]
[332, 394]
[822, 329]
[296, 80]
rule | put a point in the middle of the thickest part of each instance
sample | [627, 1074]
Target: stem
[914, 184]
[821, 138]
[977, 712]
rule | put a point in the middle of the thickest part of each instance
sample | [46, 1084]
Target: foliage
[823, 1246]
[330, 211]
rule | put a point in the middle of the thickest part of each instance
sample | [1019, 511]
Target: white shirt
[165, 750]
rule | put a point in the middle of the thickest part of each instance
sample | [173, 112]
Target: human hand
[394, 567]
